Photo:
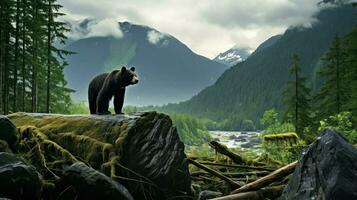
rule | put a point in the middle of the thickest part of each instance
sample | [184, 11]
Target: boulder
[17, 179]
[327, 170]
[91, 184]
[232, 137]
[142, 151]
[8, 131]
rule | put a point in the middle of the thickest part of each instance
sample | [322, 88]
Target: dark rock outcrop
[17, 179]
[328, 170]
[91, 184]
[142, 151]
[8, 131]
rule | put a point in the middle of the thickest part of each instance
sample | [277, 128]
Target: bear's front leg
[103, 104]
[119, 101]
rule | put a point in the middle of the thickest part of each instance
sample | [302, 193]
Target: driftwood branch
[238, 166]
[235, 174]
[264, 193]
[266, 180]
[215, 173]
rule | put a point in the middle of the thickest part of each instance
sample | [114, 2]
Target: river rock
[328, 170]
[17, 179]
[232, 137]
[91, 184]
[8, 131]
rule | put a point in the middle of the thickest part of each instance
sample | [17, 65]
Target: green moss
[290, 137]
[88, 149]
[56, 140]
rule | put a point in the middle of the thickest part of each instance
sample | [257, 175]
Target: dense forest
[31, 65]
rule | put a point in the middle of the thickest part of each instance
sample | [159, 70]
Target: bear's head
[128, 76]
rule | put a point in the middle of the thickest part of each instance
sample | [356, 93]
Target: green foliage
[79, 107]
[270, 120]
[343, 123]
[203, 150]
[191, 130]
[247, 125]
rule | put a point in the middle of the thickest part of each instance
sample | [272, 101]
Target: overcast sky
[208, 27]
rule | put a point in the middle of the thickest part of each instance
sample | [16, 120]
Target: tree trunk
[48, 55]
[16, 53]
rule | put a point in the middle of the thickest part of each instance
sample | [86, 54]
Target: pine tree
[333, 91]
[350, 76]
[31, 67]
[297, 99]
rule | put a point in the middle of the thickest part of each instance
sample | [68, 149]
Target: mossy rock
[140, 150]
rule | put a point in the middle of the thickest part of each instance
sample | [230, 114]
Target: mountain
[168, 70]
[233, 56]
[267, 43]
[249, 88]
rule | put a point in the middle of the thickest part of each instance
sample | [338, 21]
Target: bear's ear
[132, 69]
[123, 69]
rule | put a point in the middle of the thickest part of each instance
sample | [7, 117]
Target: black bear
[104, 86]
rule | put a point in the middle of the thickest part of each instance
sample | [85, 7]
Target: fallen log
[238, 166]
[215, 173]
[264, 193]
[223, 149]
[266, 180]
[142, 151]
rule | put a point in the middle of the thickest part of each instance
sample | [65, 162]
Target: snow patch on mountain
[233, 56]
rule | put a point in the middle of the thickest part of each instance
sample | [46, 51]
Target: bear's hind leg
[102, 104]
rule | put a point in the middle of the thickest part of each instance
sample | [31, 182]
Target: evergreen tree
[333, 91]
[297, 99]
[31, 67]
[350, 76]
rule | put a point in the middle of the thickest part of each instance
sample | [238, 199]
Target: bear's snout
[134, 80]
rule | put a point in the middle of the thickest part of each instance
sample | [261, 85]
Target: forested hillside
[246, 90]
[31, 67]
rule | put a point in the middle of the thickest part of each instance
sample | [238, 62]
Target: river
[234, 139]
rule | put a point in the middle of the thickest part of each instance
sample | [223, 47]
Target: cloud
[257, 13]
[208, 27]
[94, 28]
[154, 37]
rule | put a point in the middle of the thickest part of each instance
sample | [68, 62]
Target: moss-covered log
[140, 150]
